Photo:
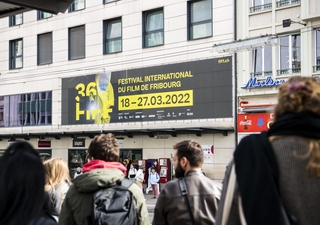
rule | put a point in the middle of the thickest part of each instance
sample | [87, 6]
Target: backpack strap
[184, 192]
[126, 182]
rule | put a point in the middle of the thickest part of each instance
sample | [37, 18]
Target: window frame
[106, 1]
[69, 43]
[291, 69]
[144, 30]
[38, 49]
[13, 20]
[316, 68]
[72, 6]
[13, 57]
[40, 15]
[264, 72]
[263, 6]
[190, 24]
[105, 35]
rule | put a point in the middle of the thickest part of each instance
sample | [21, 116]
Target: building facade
[295, 26]
[141, 69]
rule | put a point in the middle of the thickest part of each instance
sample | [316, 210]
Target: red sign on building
[254, 122]
[44, 144]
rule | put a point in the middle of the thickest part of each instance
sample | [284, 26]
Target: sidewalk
[151, 202]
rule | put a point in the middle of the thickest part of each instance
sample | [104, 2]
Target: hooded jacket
[77, 206]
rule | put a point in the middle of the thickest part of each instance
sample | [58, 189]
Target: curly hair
[104, 147]
[298, 95]
[302, 95]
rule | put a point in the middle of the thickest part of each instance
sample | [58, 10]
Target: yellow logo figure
[104, 97]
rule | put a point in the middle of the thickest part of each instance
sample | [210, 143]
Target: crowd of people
[273, 177]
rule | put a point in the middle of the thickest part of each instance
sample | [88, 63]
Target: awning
[12, 7]
[245, 107]
[153, 133]
[258, 110]
[246, 44]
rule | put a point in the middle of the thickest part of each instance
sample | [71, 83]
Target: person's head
[125, 162]
[298, 95]
[188, 155]
[104, 147]
[132, 166]
[79, 169]
[103, 81]
[153, 169]
[22, 180]
[57, 172]
[155, 163]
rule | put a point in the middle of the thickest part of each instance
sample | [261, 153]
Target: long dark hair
[22, 180]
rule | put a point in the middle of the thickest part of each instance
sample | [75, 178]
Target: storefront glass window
[76, 158]
[45, 154]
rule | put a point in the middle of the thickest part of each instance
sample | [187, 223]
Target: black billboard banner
[190, 90]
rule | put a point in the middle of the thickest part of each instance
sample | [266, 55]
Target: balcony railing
[261, 74]
[284, 3]
[260, 8]
[316, 68]
[288, 71]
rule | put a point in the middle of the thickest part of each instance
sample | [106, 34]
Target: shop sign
[208, 149]
[44, 144]
[190, 90]
[79, 143]
[268, 82]
[254, 122]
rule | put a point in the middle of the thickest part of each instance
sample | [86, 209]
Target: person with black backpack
[102, 194]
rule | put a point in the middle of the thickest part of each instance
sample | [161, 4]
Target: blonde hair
[302, 95]
[57, 172]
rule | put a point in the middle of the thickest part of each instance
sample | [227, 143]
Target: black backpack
[113, 205]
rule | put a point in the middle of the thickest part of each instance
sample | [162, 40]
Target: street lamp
[287, 23]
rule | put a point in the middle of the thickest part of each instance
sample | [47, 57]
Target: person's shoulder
[171, 184]
[135, 189]
[42, 221]
[136, 194]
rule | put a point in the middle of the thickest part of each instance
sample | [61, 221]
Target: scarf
[257, 170]
[97, 164]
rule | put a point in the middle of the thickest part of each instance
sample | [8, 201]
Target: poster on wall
[254, 122]
[190, 90]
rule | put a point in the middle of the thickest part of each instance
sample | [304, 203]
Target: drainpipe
[235, 74]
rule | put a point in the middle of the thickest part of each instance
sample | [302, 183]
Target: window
[43, 15]
[153, 28]
[15, 54]
[44, 48]
[284, 3]
[76, 158]
[316, 68]
[290, 55]
[262, 62]
[108, 1]
[32, 109]
[15, 20]
[112, 36]
[199, 19]
[77, 5]
[260, 5]
[76, 43]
